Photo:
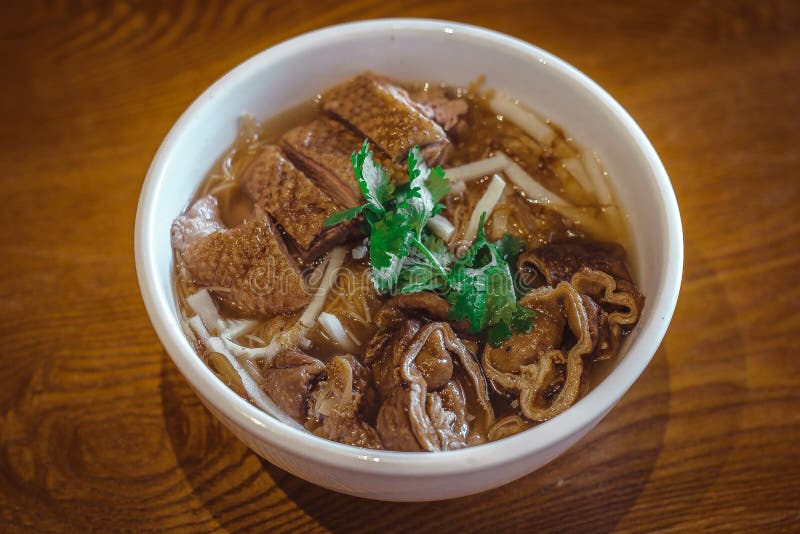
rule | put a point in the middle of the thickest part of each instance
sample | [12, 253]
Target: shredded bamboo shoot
[485, 205]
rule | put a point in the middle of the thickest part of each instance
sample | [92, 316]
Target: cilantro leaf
[438, 249]
[483, 295]
[420, 273]
[344, 215]
[467, 298]
[482, 290]
[522, 319]
[389, 246]
[521, 322]
[509, 247]
[425, 188]
[433, 179]
[498, 333]
[438, 184]
[373, 180]
[501, 301]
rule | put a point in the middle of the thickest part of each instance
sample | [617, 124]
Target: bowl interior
[419, 50]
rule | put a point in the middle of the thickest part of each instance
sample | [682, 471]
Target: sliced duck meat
[557, 262]
[289, 378]
[322, 149]
[338, 403]
[201, 220]
[248, 268]
[298, 205]
[386, 114]
[539, 367]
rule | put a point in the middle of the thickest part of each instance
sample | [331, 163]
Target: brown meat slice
[539, 366]
[423, 304]
[596, 270]
[386, 114]
[199, 221]
[618, 304]
[289, 378]
[249, 268]
[298, 205]
[339, 403]
[394, 424]
[322, 150]
[423, 402]
[284, 192]
[559, 261]
[436, 105]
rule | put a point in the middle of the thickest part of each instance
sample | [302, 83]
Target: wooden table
[98, 430]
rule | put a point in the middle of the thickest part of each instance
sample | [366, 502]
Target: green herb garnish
[396, 216]
[407, 258]
[481, 290]
[420, 273]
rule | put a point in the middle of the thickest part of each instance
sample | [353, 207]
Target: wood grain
[98, 430]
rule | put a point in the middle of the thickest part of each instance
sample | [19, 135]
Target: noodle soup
[330, 273]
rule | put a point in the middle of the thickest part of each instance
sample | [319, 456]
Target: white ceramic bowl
[409, 49]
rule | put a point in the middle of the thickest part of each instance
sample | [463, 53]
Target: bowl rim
[406, 464]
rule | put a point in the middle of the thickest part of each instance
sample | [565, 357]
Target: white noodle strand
[333, 327]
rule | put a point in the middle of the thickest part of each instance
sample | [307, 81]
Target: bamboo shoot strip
[531, 187]
[598, 178]
[525, 119]
[203, 305]
[485, 205]
[441, 227]
[477, 169]
[574, 166]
